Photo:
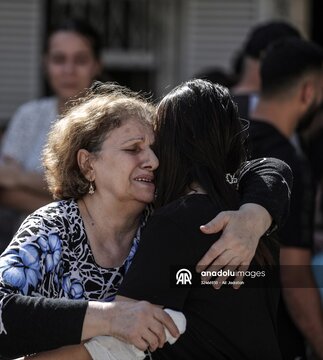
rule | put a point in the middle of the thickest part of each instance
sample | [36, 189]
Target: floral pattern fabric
[50, 256]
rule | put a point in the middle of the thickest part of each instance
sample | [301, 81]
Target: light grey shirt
[24, 141]
[27, 132]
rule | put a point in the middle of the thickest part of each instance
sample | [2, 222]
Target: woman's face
[71, 64]
[123, 168]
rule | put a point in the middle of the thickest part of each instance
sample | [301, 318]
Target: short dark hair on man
[286, 62]
[263, 35]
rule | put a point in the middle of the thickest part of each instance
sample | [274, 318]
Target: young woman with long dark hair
[199, 142]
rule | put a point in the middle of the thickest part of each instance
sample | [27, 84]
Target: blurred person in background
[311, 140]
[72, 61]
[246, 90]
[308, 137]
[291, 93]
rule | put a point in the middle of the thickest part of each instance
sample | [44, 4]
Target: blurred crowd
[277, 83]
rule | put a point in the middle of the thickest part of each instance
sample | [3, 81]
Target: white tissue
[110, 348]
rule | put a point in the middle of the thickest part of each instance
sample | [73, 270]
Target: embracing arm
[73, 321]
[78, 352]
[265, 187]
[33, 324]
[131, 322]
[32, 257]
[128, 321]
[30, 324]
[267, 183]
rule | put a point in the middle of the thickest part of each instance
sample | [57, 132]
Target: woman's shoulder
[59, 206]
[38, 104]
[60, 213]
[30, 117]
[34, 114]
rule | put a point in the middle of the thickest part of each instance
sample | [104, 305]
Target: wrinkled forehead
[132, 129]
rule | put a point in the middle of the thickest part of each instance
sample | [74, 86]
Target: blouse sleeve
[30, 322]
[267, 182]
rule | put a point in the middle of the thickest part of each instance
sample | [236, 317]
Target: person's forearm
[96, 319]
[78, 352]
[23, 200]
[14, 176]
[128, 321]
[34, 182]
[27, 319]
[259, 218]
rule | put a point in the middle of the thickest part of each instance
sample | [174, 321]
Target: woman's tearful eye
[133, 150]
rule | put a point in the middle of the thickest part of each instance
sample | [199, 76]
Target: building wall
[20, 47]
[184, 38]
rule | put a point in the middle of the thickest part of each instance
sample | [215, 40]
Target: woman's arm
[14, 177]
[15, 147]
[265, 187]
[41, 323]
[22, 199]
[77, 352]
[33, 324]
[32, 257]
[129, 321]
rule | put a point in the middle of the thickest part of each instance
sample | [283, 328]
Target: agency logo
[183, 277]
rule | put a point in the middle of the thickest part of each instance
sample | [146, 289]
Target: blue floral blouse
[50, 256]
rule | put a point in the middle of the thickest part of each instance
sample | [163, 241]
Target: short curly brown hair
[85, 126]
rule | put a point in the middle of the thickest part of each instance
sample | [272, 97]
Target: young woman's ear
[84, 161]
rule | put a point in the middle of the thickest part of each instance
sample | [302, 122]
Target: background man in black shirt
[261, 36]
[291, 77]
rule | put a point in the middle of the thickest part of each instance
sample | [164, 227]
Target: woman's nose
[152, 161]
[69, 67]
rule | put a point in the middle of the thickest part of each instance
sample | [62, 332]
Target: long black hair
[199, 138]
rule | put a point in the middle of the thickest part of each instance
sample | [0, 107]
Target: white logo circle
[183, 276]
